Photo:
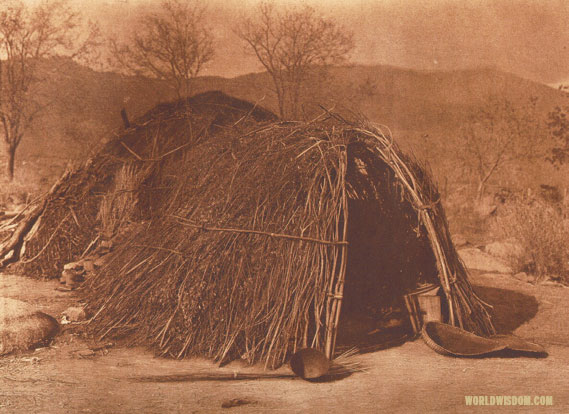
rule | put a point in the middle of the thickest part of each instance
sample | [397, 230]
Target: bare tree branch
[290, 43]
[28, 35]
[498, 135]
[173, 44]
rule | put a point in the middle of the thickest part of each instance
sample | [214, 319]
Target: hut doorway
[389, 255]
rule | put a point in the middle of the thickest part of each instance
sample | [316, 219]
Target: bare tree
[172, 44]
[290, 43]
[27, 36]
[497, 136]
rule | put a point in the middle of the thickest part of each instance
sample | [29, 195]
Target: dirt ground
[70, 377]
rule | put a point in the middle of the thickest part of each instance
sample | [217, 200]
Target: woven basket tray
[450, 340]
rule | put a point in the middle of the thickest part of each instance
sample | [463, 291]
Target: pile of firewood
[19, 226]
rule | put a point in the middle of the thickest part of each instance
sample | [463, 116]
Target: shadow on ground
[369, 334]
[511, 308]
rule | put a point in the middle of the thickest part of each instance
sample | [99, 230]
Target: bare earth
[70, 378]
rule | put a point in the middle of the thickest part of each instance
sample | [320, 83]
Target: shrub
[542, 234]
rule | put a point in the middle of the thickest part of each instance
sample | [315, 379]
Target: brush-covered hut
[242, 236]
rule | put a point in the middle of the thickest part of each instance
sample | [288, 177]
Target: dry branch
[17, 239]
[203, 227]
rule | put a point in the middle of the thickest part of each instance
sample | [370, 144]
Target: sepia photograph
[284, 206]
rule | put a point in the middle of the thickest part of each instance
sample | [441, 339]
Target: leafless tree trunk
[11, 151]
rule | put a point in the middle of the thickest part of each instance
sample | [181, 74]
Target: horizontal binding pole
[335, 296]
[184, 222]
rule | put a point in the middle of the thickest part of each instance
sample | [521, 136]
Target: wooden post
[125, 120]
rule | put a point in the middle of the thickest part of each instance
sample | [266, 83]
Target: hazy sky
[529, 38]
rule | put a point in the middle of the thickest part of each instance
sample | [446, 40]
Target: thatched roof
[238, 234]
[72, 217]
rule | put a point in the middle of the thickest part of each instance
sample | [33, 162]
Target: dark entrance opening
[389, 255]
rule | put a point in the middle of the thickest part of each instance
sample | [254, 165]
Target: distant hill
[85, 104]
[403, 99]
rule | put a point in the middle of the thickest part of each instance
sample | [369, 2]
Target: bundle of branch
[22, 226]
[274, 247]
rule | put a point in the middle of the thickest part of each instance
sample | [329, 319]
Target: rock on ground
[22, 327]
[74, 314]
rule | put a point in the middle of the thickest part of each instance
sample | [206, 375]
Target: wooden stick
[339, 291]
[138, 157]
[125, 120]
[18, 237]
[263, 233]
[47, 243]
[89, 247]
[411, 313]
